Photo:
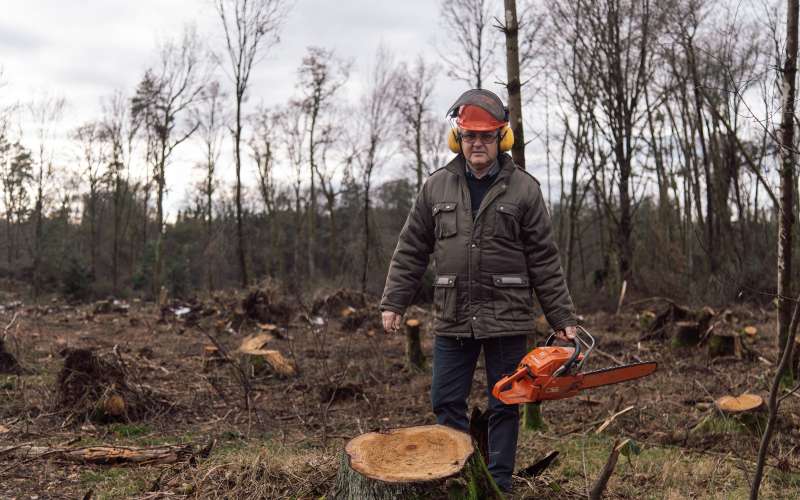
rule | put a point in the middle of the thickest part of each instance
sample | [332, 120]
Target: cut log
[429, 461]
[685, 334]
[255, 342]
[415, 359]
[260, 361]
[750, 331]
[724, 344]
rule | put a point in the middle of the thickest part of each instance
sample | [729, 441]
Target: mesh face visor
[482, 98]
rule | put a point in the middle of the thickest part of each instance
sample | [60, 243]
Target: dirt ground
[276, 436]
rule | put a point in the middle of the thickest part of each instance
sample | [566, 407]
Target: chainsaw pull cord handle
[578, 341]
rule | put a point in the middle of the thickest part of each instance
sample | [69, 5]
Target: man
[485, 222]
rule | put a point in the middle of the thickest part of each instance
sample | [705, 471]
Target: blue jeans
[454, 360]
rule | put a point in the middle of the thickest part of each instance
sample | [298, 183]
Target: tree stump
[685, 334]
[415, 359]
[734, 415]
[724, 344]
[429, 461]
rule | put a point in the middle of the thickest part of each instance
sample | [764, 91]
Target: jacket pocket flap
[446, 206]
[508, 209]
[445, 281]
[510, 280]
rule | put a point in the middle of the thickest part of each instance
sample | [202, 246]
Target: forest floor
[280, 436]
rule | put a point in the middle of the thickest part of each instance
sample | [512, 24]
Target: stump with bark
[415, 359]
[724, 344]
[685, 334]
[430, 461]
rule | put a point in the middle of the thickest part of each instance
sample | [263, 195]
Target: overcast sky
[85, 49]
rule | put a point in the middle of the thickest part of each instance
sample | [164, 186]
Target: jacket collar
[458, 166]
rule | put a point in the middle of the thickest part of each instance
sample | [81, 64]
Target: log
[685, 334]
[724, 344]
[260, 361]
[429, 461]
[415, 359]
[102, 455]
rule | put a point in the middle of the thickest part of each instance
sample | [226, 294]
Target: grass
[655, 473]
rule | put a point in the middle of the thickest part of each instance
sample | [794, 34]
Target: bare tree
[210, 117]
[415, 91]
[292, 129]
[120, 130]
[264, 148]
[94, 158]
[46, 113]
[469, 55]
[251, 27]
[163, 99]
[321, 77]
[378, 119]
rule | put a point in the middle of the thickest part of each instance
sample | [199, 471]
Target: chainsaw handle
[578, 341]
[566, 367]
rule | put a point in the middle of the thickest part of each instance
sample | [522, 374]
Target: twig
[774, 402]
[612, 418]
[600, 484]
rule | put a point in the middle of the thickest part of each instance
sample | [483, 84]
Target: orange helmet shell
[472, 117]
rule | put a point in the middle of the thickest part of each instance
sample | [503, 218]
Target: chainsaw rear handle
[578, 341]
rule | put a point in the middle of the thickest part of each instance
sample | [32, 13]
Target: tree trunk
[514, 86]
[430, 461]
[239, 223]
[786, 216]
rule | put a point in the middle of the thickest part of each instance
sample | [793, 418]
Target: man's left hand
[567, 334]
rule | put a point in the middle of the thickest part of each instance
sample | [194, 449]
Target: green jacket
[486, 270]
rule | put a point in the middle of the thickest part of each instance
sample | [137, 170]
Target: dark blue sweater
[478, 189]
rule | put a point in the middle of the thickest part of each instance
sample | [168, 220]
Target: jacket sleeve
[410, 257]
[544, 264]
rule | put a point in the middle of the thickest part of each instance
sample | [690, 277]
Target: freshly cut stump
[429, 461]
[734, 415]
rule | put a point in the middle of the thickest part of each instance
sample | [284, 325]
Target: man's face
[480, 148]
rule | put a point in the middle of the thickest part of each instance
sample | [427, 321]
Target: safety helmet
[479, 110]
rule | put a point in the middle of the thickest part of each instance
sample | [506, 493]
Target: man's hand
[567, 334]
[391, 321]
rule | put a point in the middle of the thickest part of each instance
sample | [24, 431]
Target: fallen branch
[103, 455]
[613, 417]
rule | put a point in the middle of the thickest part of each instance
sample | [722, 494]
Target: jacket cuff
[390, 307]
[563, 323]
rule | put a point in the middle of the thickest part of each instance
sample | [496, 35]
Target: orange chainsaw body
[534, 380]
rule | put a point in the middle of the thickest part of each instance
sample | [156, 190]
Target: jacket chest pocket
[506, 221]
[444, 216]
[444, 297]
[512, 297]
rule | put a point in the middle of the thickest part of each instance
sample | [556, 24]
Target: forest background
[652, 128]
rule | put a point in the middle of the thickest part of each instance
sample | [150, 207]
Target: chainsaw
[553, 372]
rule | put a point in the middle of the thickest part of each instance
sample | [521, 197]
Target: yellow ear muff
[507, 141]
[452, 141]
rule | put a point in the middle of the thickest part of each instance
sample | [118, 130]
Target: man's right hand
[391, 321]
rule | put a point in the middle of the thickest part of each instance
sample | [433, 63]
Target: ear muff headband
[506, 141]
